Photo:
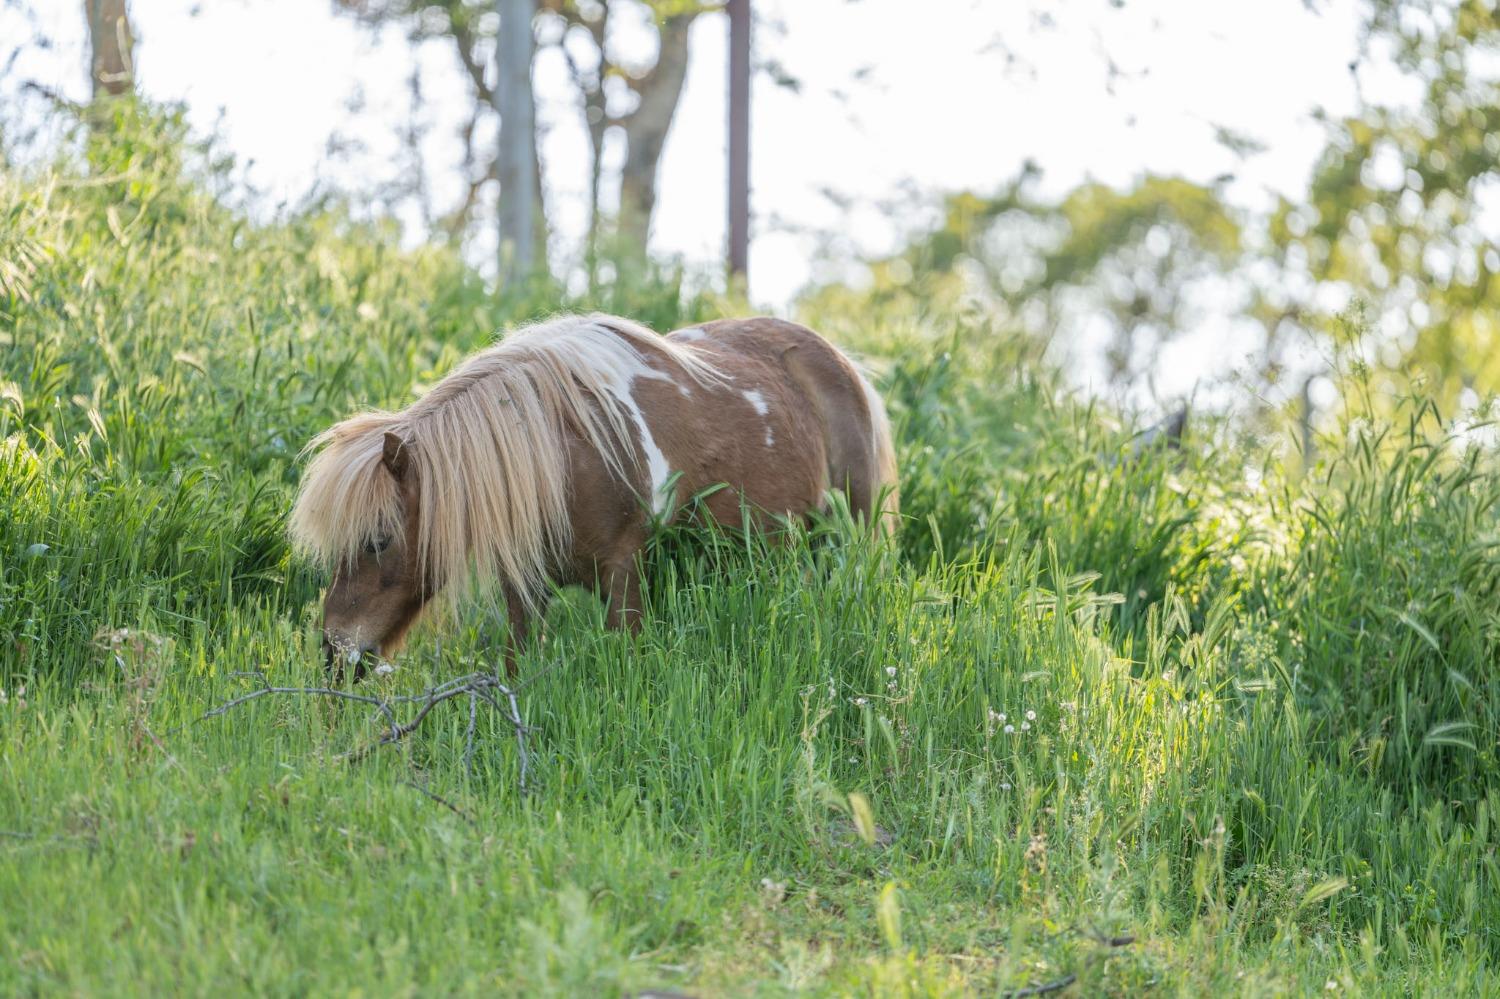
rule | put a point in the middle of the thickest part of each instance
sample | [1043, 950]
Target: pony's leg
[518, 635]
[621, 584]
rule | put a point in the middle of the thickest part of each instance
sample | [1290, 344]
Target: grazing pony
[545, 459]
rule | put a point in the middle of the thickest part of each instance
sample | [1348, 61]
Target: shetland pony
[544, 461]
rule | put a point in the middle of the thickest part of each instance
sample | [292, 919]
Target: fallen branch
[1043, 989]
[477, 687]
[441, 801]
[1107, 944]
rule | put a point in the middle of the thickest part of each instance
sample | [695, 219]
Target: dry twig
[1107, 944]
[1043, 989]
[433, 796]
[477, 687]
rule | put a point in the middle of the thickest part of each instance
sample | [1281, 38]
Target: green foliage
[1128, 257]
[1395, 210]
[1395, 207]
[1095, 688]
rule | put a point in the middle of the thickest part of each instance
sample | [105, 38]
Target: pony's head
[359, 512]
[378, 591]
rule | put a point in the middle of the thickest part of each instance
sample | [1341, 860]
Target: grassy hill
[1172, 722]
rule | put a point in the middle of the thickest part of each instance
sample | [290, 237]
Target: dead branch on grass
[477, 687]
[1108, 945]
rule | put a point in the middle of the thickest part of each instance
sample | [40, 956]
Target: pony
[546, 459]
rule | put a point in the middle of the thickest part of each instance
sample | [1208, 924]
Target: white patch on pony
[690, 334]
[618, 375]
[762, 408]
[621, 386]
[656, 462]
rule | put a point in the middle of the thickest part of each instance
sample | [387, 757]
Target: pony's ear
[396, 456]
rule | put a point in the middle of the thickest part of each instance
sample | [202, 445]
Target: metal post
[739, 140]
[517, 163]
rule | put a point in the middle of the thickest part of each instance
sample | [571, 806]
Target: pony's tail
[887, 486]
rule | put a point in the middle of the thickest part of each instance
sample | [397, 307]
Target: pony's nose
[336, 654]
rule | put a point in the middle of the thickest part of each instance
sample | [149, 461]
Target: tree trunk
[596, 177]
[646, 131]
[596, 118]
[111, 63]
[539, 232]
[517, 161]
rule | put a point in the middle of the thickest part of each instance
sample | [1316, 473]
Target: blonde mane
[489, 449]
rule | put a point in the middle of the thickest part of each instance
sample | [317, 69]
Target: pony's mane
[489, 448]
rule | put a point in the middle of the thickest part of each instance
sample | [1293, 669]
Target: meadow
[1122, 720]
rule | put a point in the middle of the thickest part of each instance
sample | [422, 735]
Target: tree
[111, 46]
[473, 27]
[1130, 259]
[1397, 218]
[641, 104]
[1394, 211]
[638, 100]
[657, 92]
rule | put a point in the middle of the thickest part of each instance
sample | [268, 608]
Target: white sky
[897, 97]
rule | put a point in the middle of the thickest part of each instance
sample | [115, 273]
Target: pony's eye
[377, 545]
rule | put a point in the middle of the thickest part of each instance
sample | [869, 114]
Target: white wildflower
[1031, 716]
[1010, 730]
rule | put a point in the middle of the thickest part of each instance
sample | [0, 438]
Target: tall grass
[1089, 692]
[1386, 608]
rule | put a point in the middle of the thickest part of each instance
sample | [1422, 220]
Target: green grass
[1265, 716]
